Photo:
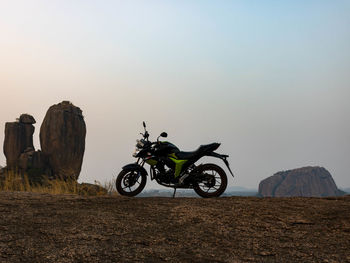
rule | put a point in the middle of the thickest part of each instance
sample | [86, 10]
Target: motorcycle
[171, 167]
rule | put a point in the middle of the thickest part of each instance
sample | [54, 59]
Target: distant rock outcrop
[62, 139]
[18, 138]
[306, 181]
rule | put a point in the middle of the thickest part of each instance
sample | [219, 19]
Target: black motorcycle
[171, 167]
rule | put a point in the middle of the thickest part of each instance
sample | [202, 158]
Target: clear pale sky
[270, 80]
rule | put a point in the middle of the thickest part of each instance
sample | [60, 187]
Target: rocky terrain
[307, 181]
[68, 228]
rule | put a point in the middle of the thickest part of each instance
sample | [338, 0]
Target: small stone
[27, 119]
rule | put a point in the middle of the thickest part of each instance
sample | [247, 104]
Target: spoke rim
[203, 186]
[130, 188]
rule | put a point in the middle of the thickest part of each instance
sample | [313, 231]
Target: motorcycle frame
[141, 162]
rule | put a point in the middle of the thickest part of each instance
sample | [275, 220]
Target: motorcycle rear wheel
[130, 182]
[214, 183]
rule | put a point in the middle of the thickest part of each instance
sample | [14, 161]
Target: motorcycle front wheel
[213, 181]
[130, 182]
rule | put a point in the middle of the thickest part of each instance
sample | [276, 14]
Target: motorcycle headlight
[136, 152]
[139, 144]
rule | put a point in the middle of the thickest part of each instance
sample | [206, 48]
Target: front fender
[135, 166]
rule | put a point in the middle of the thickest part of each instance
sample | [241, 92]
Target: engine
[164, 174]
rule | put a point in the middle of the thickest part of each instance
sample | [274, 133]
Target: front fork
[141, 163]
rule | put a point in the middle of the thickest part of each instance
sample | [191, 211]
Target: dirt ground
[67, 228]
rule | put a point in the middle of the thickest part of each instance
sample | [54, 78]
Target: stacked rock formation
[62, 139]
[306, 181]
[18, 138]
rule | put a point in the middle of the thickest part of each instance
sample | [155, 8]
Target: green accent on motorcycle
[151, 162]
[172, 155]
[178, 165]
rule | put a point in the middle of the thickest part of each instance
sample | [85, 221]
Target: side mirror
[164, 134]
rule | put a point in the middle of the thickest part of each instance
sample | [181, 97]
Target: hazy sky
[270, 80]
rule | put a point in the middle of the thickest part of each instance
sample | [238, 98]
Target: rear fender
[133, 167]
[223, 157]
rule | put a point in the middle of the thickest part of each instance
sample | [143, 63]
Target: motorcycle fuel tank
[165, 148]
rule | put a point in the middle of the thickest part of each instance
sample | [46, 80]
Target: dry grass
[109, 186]
[15, 181]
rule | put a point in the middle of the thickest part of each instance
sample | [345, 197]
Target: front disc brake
[130, 180]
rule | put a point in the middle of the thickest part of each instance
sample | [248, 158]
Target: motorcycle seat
[201, 151]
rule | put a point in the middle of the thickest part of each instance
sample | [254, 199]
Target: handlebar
[145, 135]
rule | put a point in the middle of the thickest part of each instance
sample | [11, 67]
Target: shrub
[12, 180]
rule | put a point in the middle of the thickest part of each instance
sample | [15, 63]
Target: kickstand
[174, 192]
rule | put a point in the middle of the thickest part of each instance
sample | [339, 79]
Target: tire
[215, 180]
[123, 182]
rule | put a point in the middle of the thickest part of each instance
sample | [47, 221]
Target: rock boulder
[27, 119]
[62, 139]
[18, 137]
[306, 181]
[35, 163]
